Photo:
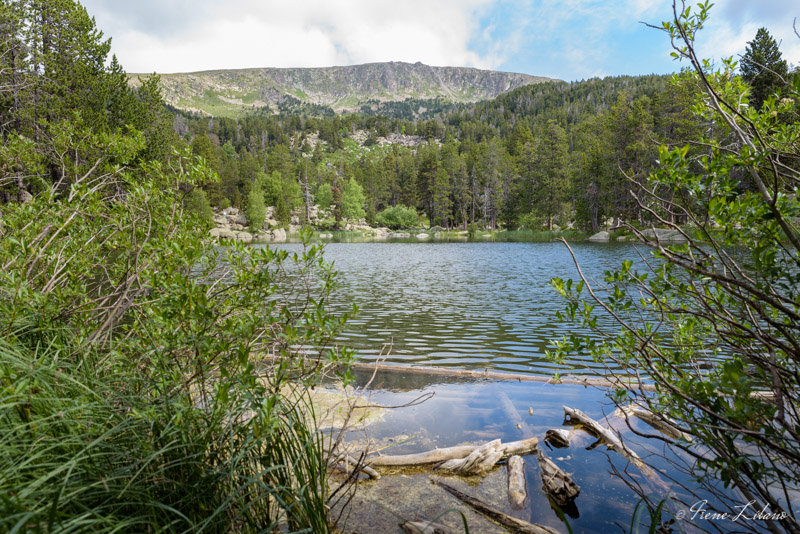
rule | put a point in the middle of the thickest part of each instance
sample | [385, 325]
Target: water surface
[458, 304]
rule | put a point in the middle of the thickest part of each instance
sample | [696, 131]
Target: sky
[563, 39]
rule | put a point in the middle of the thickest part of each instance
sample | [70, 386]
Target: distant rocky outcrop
[230, 224]
[230, 92]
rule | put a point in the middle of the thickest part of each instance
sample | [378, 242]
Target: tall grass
[132, 398]
[81, 451]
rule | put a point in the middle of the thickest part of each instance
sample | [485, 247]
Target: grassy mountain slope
[232, 93]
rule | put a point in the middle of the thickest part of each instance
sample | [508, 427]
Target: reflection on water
[476, 411]
[467, 305]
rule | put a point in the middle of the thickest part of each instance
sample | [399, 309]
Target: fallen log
[575, 416]
[558, 484]
[558, 438]
[479, 461]
[660, 423]
[424, 527]
[525, 446]
[513, 524]
[517, 491]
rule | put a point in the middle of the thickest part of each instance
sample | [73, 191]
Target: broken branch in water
[525, 446]
[511, 523]
[558, 484]
[517, 492]
[477, 462]
[609, 438]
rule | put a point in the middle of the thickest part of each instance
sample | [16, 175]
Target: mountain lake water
[488, 305]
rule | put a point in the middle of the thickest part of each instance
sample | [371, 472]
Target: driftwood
[512, 524]
[575, 416]
[525, 446]
[558, 438]
[479, 461]
[424, 527]
[660, 423]
[517, 492]
[348, 461]
[558, 484]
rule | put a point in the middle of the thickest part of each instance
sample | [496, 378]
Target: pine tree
[763, 67]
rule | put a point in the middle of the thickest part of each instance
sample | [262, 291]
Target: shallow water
[458, 304]
[476, 411]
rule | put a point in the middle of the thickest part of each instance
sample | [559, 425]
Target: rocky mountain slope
[234, 92]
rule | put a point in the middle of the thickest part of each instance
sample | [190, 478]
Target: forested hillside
[544, 154]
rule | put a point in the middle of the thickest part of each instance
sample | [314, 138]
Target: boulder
[222, 233]
[422, 236]
[245, 237]
[601, 236]
[278, 234]
[238, 219]
[232, 212]
[664, 235]
[399, 234]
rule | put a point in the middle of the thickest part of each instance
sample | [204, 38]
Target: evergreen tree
[763, 67]
[551, 172]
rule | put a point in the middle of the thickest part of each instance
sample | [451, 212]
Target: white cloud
[733, 23]
[174, 36]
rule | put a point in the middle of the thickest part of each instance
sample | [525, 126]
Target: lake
[489, 305]
[471, 305]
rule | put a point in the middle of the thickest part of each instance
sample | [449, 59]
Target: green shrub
[398, 217]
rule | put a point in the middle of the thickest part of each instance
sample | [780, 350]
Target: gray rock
[601, 236]
[239, 219]
[422, 236]
[664, 235]
[223, 233]
[278, 234]
[233, 212]
[245, 237]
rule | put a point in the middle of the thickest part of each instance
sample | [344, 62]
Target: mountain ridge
[233, 92]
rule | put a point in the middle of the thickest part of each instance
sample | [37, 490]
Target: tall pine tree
[763, 67]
